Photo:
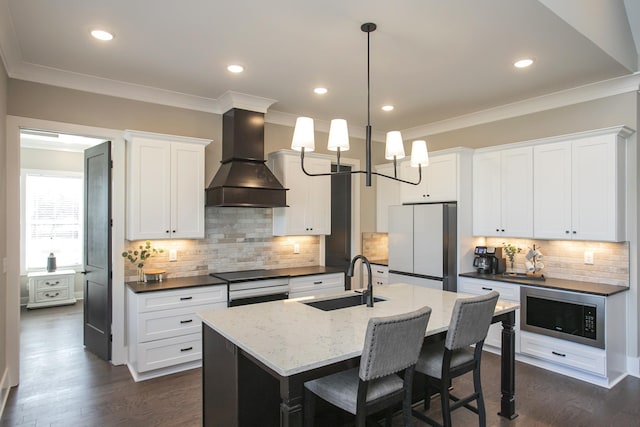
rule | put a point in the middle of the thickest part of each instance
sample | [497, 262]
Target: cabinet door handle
[57, 282]
[487, 289]
[186, 349]
[52, 296]
[378, 271]
[185, 298]
[186, 321]
[558, 354]
[319, 282]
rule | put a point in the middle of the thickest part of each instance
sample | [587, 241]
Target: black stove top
[248, 275]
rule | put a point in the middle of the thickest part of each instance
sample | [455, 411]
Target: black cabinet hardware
[186, 321]
[185, 298]
[186, 349]
[559, 354]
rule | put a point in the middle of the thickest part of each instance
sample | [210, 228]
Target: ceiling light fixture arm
[339, 172]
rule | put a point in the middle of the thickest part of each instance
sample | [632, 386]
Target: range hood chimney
[243, 179]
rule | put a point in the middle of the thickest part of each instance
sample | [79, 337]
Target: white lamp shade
[303, 135]
[395, 146]
[338, 135]
[419, 154]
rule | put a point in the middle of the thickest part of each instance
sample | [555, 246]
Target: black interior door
[338, 244]
[97, 250]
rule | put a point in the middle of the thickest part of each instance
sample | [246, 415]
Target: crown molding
[590, 92]
[231, 99]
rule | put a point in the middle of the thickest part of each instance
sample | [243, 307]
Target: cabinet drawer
[52, 282]
[507, 291]
[52, 294]
[169, 352]
[317, 282]
[379, 271]
[564, 353]
[154, 325]
[189, 297]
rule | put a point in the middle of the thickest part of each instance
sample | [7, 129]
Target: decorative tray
[527, 276]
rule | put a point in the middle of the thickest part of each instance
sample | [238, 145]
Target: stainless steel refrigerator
[422, 245]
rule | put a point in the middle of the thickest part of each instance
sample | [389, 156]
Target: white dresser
[49, 289]
[164, 331]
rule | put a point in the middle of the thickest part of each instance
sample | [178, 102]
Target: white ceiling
[433, 59]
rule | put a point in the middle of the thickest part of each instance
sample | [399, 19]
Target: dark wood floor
[63, 385]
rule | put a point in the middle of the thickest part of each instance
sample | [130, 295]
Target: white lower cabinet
[561, 352]
[508, 292]
[304, 286]
[164, 330]
[379, 275]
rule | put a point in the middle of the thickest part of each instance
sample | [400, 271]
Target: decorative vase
[140, 275]
[511, 268]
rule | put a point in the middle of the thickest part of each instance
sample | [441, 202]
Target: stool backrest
[393, 343]
[470, 320]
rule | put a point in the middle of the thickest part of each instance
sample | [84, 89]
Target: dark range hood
[243, 179]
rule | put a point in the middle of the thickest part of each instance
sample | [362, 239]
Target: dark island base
[240, 391]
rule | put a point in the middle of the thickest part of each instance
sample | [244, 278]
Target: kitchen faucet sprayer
[368, 294]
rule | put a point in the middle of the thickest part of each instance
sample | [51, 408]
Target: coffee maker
[489, 260]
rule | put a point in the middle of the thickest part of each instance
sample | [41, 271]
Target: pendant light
[303, 139]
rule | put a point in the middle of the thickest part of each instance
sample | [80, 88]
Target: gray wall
[3, 218]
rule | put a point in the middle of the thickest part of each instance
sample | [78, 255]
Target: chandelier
[303, 139]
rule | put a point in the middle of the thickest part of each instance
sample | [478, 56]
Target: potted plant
[138, 256]
[511, 251]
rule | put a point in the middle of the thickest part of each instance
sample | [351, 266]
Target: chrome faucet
[368, 294]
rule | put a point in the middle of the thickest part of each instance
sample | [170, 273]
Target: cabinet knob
[497, 229]
[173, 231]
[428, 195]
[502, 230]
[566, 231]
[575, 232]
[166, 231]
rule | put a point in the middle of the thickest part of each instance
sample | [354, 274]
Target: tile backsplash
[565, 259]
[375, 246]
[235, 239]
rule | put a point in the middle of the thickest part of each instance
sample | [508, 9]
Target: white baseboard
[4, 390]
[633, 366]
[137, 376]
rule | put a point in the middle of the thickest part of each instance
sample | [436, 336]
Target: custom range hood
[243, 179]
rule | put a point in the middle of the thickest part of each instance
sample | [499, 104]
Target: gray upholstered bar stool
[445, 360]
[392, 344]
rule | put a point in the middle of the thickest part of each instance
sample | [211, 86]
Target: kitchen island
[256, 358]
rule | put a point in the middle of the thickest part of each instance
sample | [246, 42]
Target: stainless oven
[257, 291]
[566, 315]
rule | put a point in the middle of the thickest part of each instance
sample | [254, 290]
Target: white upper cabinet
[579, 190]
[308, 198]
[387, 194]
[503, 193]
[165, 186]
[439, 180]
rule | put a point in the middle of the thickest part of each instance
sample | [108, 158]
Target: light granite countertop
[290, 337]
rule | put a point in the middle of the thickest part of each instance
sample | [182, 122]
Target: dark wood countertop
[229, 277]
[552, 283]
[175, 283]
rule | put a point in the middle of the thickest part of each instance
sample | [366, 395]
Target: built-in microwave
[567, 315]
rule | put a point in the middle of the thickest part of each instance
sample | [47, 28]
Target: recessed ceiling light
[387, 108]
[523, 63]
[235, 68]
[102, 35]
[320, 90]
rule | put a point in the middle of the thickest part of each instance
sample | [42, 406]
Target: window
[52, 213]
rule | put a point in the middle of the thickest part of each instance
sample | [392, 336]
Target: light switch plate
[588, 258]
[173, 255]
[296, 248]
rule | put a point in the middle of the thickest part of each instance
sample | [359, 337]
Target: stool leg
[477, 387]
[446, 407]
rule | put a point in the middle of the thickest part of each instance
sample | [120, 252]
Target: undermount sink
[342, 302]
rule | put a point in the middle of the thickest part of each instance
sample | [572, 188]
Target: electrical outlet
[588, 258]
[296, 248]
[173, 255]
